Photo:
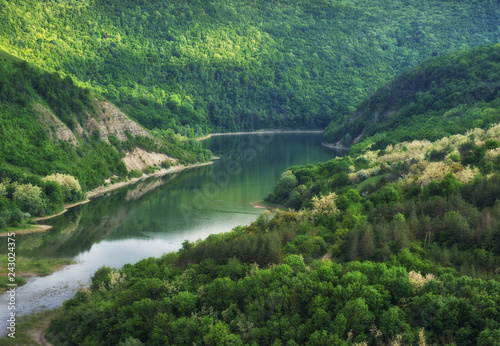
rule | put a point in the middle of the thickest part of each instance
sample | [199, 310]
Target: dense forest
[39, 172]
[395, 244]
[365, 254]
[443, 96]
[239, 65]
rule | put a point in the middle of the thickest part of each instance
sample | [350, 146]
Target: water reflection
[156, 216]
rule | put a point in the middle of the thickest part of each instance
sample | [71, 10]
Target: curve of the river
[155, 216]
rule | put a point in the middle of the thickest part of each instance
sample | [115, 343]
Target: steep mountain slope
[444, 95]
[372, 257]
[49, 126]
[239, 65]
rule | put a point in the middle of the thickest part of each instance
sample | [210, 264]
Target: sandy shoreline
[257, 133]
[66, 207]
[101, 190]
[35, 229]
[334, 146]
[262, 205]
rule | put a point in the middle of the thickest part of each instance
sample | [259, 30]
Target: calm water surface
[157, 215]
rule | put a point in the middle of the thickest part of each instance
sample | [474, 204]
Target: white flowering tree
[70, 186]
[28, 198]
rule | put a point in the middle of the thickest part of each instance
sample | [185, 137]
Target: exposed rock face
[140, 159]
[108, 120]
[111, 121]
[56, 129]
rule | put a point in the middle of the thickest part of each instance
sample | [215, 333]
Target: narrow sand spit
[263, 132]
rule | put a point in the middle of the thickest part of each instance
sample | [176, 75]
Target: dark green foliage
[55, 197]
[134, 174]
[27, 145]
[290, 301]
[264, 283]
[166, 164]
[445, 95]
[240, 65]
[15, 217]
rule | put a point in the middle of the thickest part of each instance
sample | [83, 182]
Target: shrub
[134, 174]
[55, 196]
[149, 169]
[28, 198]
[166, 164]
[3, 223]
[70, 186]
[16, 217]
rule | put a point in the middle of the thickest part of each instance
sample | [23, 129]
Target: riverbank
[30, 330]
[266, 205]
[66, 207]
[101, 190]
[33, 229]
[28, 267]
[263, 132]
[334, 146]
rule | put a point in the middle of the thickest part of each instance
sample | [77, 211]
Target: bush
[3, 223]
[69, 184]
[55, 196]
[166, 164]
[16, 217]
[134, 174]
[28, 198]
[149, 169]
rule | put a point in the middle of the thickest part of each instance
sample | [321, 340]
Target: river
[155, 216]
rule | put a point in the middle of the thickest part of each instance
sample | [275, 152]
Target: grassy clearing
[30, 329]
[26, 267]
[24, 225]
[370, 181]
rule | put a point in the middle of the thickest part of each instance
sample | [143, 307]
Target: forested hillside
[59, 140]
[440, 97]
[396, 243]
[393, 246]
[239, 65]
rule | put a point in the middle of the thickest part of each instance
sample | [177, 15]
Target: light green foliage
[70, 186]
[242, 64]
[443, 96]
[28, 198]
[220, 334]
[67, 181]
[489, 337]
[3, 190]
[81, 165]
[284, 188]
[296, 263]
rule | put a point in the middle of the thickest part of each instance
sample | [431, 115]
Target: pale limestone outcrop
[140, 159]
[112, 121]
[108, 120]
[56, 129]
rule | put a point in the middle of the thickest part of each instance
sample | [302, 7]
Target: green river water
[155, 216]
